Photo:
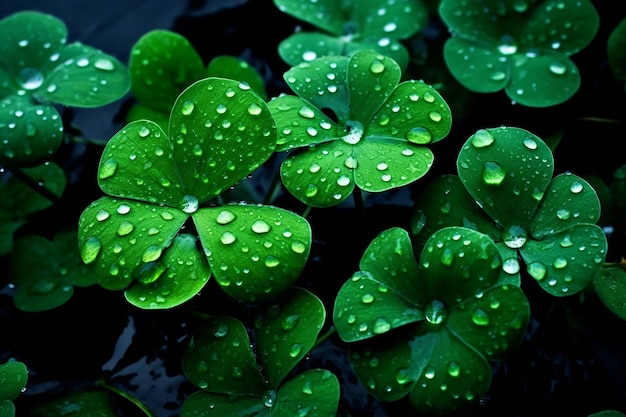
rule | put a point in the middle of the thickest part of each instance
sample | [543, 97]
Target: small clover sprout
[429, 329]
[45, 272]
[14, 376]
[237, 381]
[521, 47]
[38, 70]
[162, 197]
[163, 63]
[350, 26]
[376, 138]
[25, 200]
[547, 223]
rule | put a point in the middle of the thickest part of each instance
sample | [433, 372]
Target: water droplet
[560, 262]
[376, 67]
[260, 226]
[290, 322]
[557, 68]
[480, 317]
[123, 209]
[367, 298]
[507, 45]
[102, 215]
[30, 78]
[306, 112]
[107, 169]
[537, 270]
[295, 350]
[104, 64]
[576, 187]
[151, 254]
[435, 312]
[381, 325]
[90, 249]
[515, 237]
[298, 246]
[225, 217]
[125, 228]
[221, 330]
[228, 238]
[511, 266]
[429, 372]
[187, 107]
[144, 131]
[482, 138]
[493, 174]
[454, 369]
[271, 261]
[419, 135]
[254, 109]
[435, 116]
[189, 204]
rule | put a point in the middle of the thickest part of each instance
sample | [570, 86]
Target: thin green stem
[126, 396]
[34, 185]
[325, 336]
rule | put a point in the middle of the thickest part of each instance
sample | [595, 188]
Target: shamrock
[39, 70]
[428, 329]
[521, 47]
[349, 26]
[505, 189]
[161, 232]
[354, 125]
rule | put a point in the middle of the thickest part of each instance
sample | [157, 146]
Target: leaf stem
[125, 395]
[325, 336]
[43, 191]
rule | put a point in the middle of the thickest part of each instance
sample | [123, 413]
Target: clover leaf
[25, 200]
[14, 376]
[163, 63]
[145, 236]
[376, 139]
[346, 27]
[616, 45]
[45, 272]
[88, 403]
[38, 69]
[521, 47]
[428, 329]
[235, 381]
[505, 189]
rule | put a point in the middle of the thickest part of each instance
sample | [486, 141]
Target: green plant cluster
[213, 185]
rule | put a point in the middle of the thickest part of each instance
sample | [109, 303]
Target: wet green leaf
[14, 376]
[172, 279]
[45, 272]
[255, 251]
[616, 50]
[520, 47]
[162, 64]
[219, 359]
[312, 393]
[208, 404]
[346, 28]
[121, 236]
[227, 66]
[379, 141]
[511, 176]
[31, 132]
[89, 403]
[286, 332]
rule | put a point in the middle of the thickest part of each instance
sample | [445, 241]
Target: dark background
[573, 362]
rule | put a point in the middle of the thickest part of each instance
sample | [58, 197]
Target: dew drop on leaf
[418, 135]
[104, 64]
[225, 217]
[482, 138]
[260, 227]
[493, 173]
[90, 249]
[107, 169]
[480, 317]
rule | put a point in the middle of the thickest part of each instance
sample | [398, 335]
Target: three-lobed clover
[427, 328]
[161, 232]
[522, 47]
[505, 189]
[162, 63]
[39, 70]
[238, 377]
[346, 27]
[354, 124]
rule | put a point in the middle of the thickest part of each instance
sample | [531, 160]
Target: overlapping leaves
[505, 189]
[521, 47]
[350, 26]
[37, 70]
[237, 380]
[428, 330]
[352, 125]
[160, 235]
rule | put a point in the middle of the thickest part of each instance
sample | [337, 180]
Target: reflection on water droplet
[419, 135]
[254, 109]
[187, 108]
[480, 317]
[537, 270]
[228, 238]
[90, 249]
[225, 217]
[189, 204]
[125, 228]
[107, 169]
[515, 237]
[493, 173]
[221, 330]
[376, 67]
[30, 78]
[482, 138]
[260, 226]
[104, 64]
[454, 369]
[381, 325]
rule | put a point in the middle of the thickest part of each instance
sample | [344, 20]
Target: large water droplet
[482, 138]
[189, 204]
[493, 173]
[480, 317]
[90, 249]
[435, 312]
[515, 237]
[30, 78]
[419, 135]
